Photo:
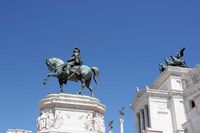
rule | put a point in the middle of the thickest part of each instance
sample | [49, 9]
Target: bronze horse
[63, 72]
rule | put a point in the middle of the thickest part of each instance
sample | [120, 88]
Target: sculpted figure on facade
[177, 60]
[121, 112]
[162, 67]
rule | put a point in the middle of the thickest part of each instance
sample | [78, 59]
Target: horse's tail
[95, 71]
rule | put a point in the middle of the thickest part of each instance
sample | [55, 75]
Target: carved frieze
[93, 122]
[46, 120]
[162, 106]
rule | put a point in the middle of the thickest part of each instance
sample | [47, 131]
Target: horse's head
[54, 63]
[51, 66]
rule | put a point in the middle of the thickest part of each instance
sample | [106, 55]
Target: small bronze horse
[63, 72]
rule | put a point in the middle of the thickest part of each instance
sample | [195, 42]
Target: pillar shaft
[146, 117]
[138, 123]
[141, 121]
[121, 125]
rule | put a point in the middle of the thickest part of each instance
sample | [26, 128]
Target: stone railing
[18, 131]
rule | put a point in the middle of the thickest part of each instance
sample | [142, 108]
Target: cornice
[177, 93]
[72, 101]
[156, 93]
[169, 71]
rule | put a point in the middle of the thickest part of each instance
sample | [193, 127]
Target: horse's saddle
[74, 69]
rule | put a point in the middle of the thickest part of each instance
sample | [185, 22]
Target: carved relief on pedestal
[68, 114]
[48, 120]
[58, 120]
[45, 120]
[93, 122]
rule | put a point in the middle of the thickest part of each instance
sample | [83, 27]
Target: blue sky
[125, 39]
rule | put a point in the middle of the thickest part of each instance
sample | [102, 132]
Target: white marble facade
[69, 113]
[191, 86]
[160, 107]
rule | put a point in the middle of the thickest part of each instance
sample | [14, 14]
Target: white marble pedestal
[69, 113]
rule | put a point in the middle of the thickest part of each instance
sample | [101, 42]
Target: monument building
[160, 107]
[172, 103]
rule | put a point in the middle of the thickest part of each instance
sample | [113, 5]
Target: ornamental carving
[45, 120]
[93, 123]
[162, 106]
[58, 120]
[48, 120]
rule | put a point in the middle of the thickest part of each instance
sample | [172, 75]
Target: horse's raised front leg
[49, 75]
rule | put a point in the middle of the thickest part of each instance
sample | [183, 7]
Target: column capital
[110, 131]
[121, 120]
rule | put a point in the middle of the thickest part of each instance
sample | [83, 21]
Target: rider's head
[76, 50]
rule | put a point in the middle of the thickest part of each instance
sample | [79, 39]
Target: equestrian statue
[72, 70]
[177, 60]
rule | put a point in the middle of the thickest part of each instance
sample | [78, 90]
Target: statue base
[69, 113]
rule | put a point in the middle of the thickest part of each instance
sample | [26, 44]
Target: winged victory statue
[176, 60]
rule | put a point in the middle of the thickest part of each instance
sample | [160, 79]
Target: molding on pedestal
[70, 101]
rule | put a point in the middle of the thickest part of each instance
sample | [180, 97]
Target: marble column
[138, 123]
[146, 117]
[121, 125]
[141, 121]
